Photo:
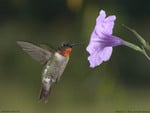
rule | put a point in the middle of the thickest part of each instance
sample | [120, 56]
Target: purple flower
[102, 40]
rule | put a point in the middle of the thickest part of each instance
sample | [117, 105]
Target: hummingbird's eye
[63, 45]
[66, 45]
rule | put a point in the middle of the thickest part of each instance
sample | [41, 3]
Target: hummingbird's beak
[75, 44]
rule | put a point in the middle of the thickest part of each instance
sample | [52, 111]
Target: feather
[36, 52]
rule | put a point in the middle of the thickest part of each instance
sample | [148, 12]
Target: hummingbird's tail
[44, 93]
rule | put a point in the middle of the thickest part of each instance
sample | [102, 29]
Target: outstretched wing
[36, 52]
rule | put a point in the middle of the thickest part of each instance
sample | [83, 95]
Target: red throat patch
[65, 52]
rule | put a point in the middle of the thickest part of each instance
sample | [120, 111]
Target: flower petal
[93, 44]
[102, 41]
[103, 24]
[101, 16]
[106, 53]
[94, 60]
[109, 24]
[98, 57]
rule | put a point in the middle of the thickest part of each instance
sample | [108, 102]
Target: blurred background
[121, 84]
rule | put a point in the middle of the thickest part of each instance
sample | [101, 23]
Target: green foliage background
[123, 83]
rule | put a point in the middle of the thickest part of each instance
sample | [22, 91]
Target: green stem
[133, 46]
[137, 48]
[140, 38]
[144, 52]
[136, 34]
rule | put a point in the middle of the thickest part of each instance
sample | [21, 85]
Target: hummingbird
[54, 62]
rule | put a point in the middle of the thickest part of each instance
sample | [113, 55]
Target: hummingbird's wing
[36, 52]
[47, 47]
